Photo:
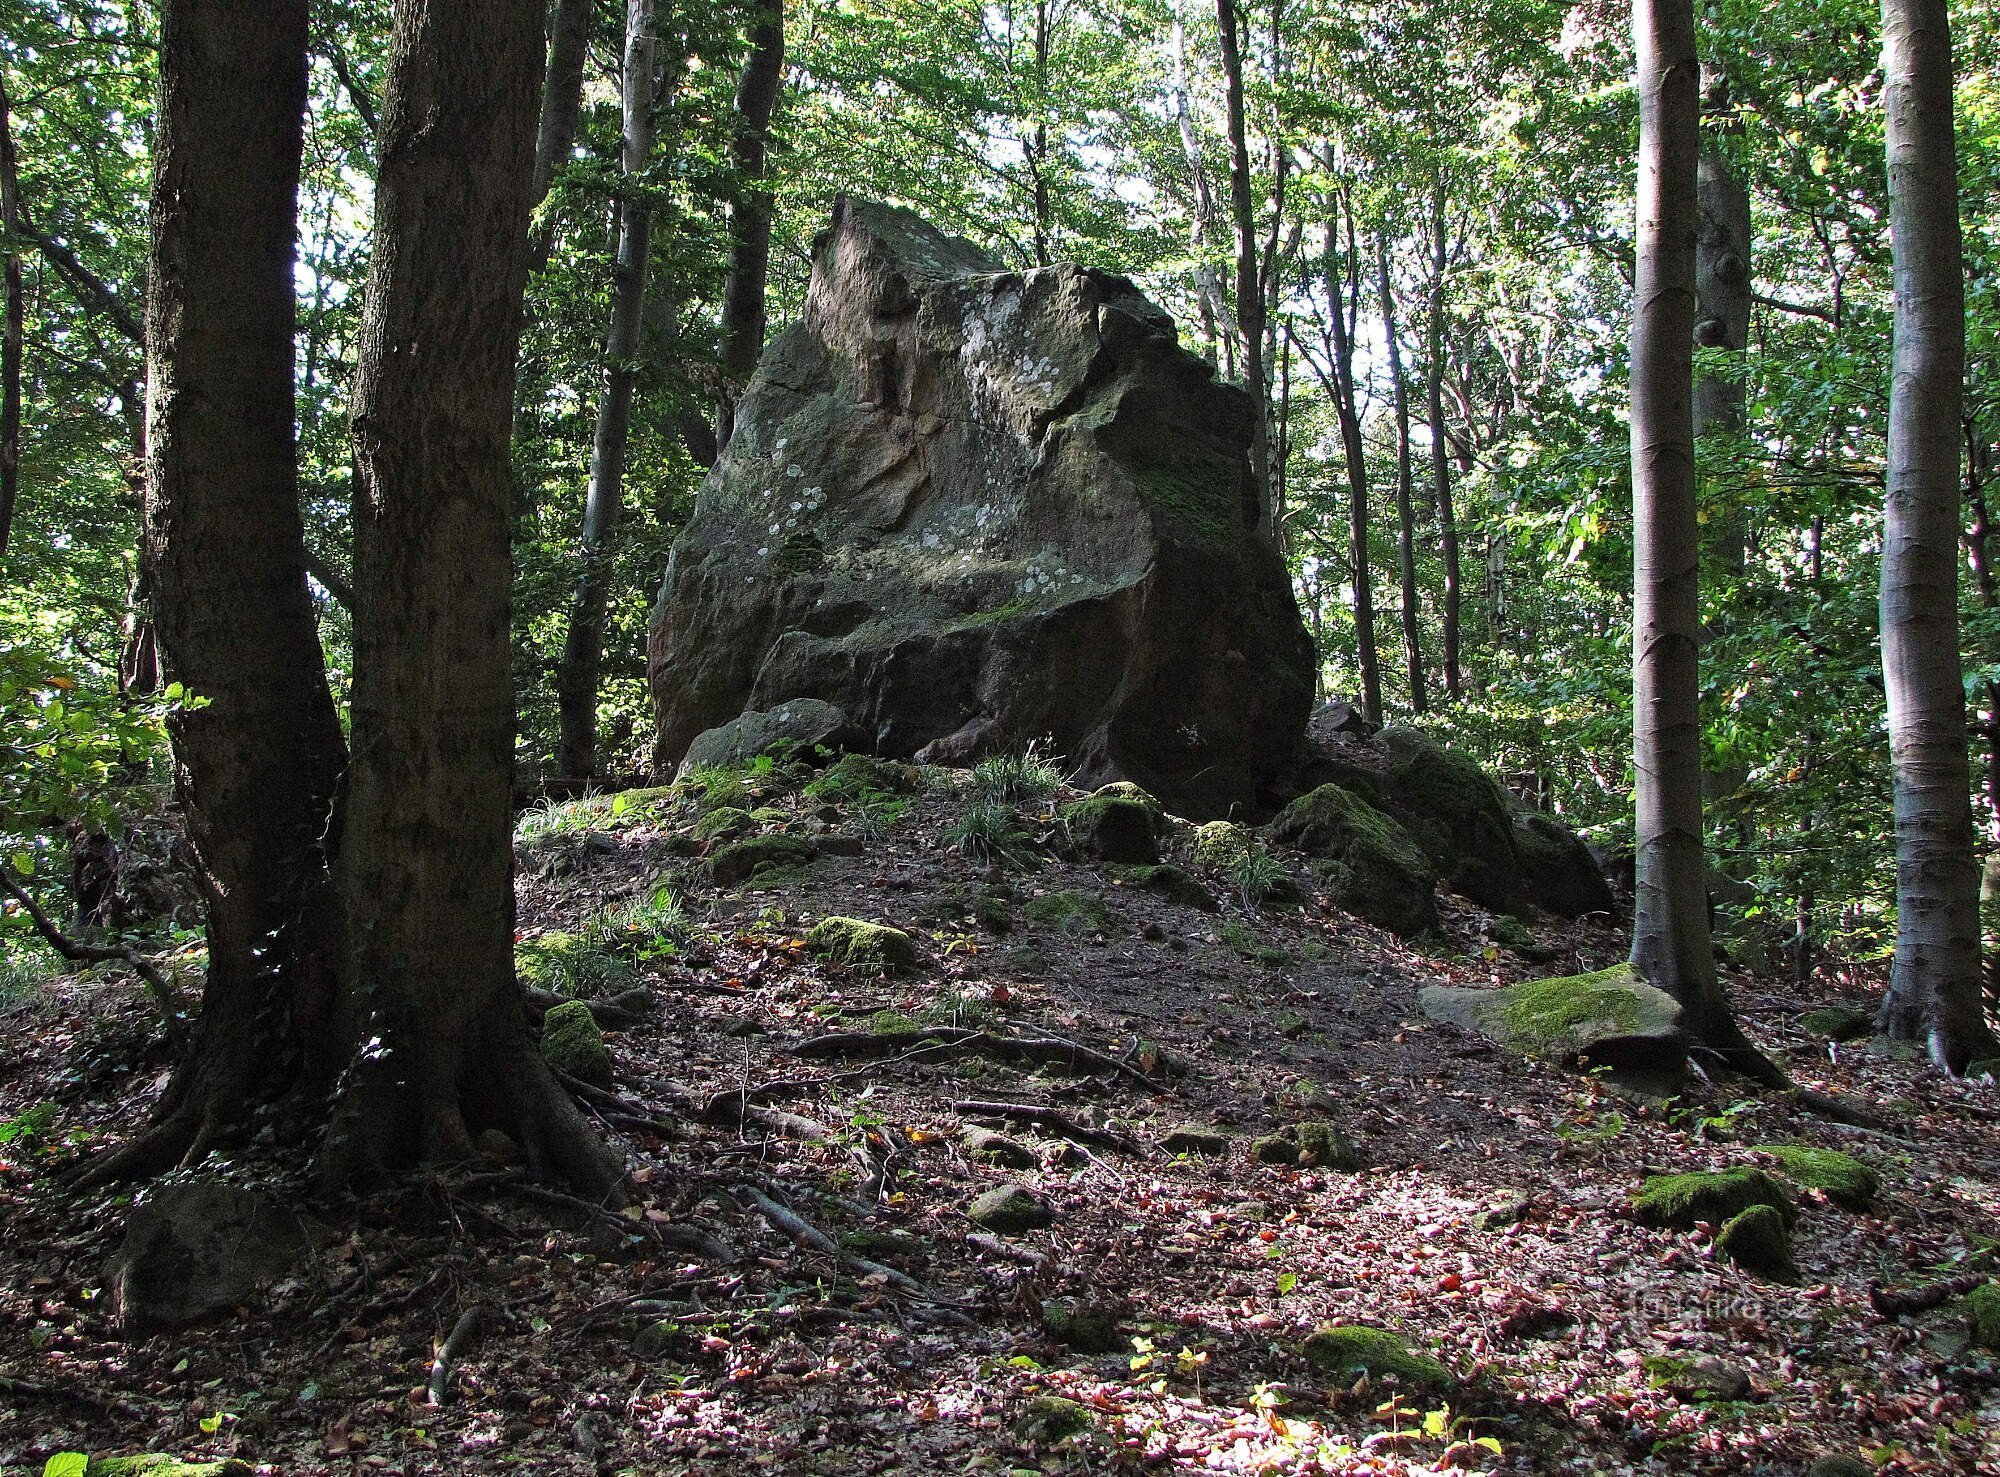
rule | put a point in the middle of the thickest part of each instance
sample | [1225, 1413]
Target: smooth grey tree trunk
[12, 327]
[1217, 321]
[1406, 537]
[1249, 285]
[1671, 945]
[224, 558]
[750, 209]
[1934, 987]
[579, 671]
[434, 1016]
[1341, 286]
[1441, 494]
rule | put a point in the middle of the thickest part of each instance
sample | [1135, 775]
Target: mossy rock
[1194, 1139]
[1511, 933]
[1010, 1209]
[997, 1148]
[1695, 1377]
[1372, 867]
[1558, 871]
[1314, 1143]
[1611, 1019]
[1760, 1240]
[725, 822]
[1838, 1022]
[1982, 1314]
[756, 856]
[993, 907]
[862, 945]
[1346, 1352]
[157, 1464]
[1842, 1178]
[1220, 845]
[1119, 823]
[1840, 1466]
[1715, 1196]
[1081, 1326]
[572, 1043]
[1167, 881]
[1050, 1418]
[853, 775]
[571, 964]
[1072, 914]
[1458, 814]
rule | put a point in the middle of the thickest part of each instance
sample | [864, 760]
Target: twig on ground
[796, 1228]
[471, 1323]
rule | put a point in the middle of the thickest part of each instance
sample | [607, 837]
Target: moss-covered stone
[1051, 1418]
[1346, 1352]
[1167, 881]
[1842, 1178]
[1457, 814]
[1275, 1148]
[1558, 871]
[1192, 1139]
[1839, 1465]
[1010, 1209]
[1119, 823]
[853, 775]
[1715, 1196]
[1982, 1314]
[1838, 1022]
[860, 944]
[1759, 1240]
[725, 822]
[1611, 1019]
[1220, 845]
[1372, 867]
[1511, 933]
[157, 1464]
[572, 1043]
[746, 860]
[1072, 914]
[1323, 1145]
[571, 964]
[1695, 1376]
[997, 1148]
[1082, 1326]
[993, 907]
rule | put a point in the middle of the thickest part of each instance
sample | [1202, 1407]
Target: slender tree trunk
[1406, 545]
[224, 553]
[1671, 946]
[750, 209]
[1934, 991]
[1346, 407]
[578, 673]
[1447, 516]
[11, 327]
[562, 106]
[433, 1012]
[1249, 287]
[1217, 322]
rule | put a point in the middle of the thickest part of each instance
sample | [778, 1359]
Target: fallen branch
[76, 1395]
[1027, 1256]
[680, 1238]
[796, 1228]
[1049, 1118]
[1051, 1049]
[1893, 1304]
[164, 994]
[471, 1323]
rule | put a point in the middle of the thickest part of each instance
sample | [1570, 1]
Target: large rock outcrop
[972, 507]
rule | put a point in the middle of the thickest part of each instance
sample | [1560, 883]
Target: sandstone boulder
[972, 507]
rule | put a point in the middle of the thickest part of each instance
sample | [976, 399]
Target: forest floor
[1157, 1322]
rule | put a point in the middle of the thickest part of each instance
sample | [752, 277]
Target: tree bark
[1406, 546]
[562, 106]
[1217, 322]
[578, 672]
[1339, 325]
[1249, 286]
[750, 209]
[432, 1009]
[12, 327]
[1934, 984]
[1671, 945]
[224, 551]
[1447, 516]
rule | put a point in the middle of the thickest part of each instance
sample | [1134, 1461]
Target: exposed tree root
[802, 1232]
[1893, 1304]
[1050, 1119]
[949, 1041]
[464, 1333]
[78, 1396]
[618, 1012]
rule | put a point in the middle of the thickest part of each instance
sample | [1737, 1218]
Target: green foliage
[988, 832]
[655, 926]
[582, 965]
[31, 1125]
[1017, 779]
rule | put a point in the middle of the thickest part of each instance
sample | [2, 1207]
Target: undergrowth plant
[986, 832]
[1016, 779]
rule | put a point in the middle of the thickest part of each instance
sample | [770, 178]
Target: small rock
[197, 1249]
[1323, 1145]
[1082, 1326]
[1010, 1209]
[1982, 1311]
[1510, 1210]
[1345, 1351]
[984, 1143]
[1050, 1418]
[1191, 1140]
[860, 944]
[1759, 1240]
[1840, 1466]
[1275, 1148]
[656, 1340]
[1703, 1377]
[572, 1043]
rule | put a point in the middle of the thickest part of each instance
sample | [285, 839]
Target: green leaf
[210, 1424]
[66, 1464]
[1286, 1282]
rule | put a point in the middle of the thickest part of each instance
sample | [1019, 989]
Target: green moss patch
[744, 861]
[1842, 1178]
[1083, 1327]
[1167, 881]
[1715, 1196]
[1120, 823]
[725, 822]
[1072, 914]
[156, 1464]
[1051, 1418]
[859, 944]
[1372, 867]
[1982, 1312]
[1220, 845]
[572, 1043]
[1345, 1352]
[1760, 1241]
[571, 964]
[1838, 1022]
[852, 776]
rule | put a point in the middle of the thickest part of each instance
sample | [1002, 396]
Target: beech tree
[751, 207]
[1935, 983]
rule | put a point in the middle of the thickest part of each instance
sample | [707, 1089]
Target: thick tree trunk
[1339, 282]
[1934, 989]
[1249, 286]
[750, 208]
[11, 327]
[433, 1011]
[1671, 945]
[225, 558]
[578, 672]
[1406, 544]
[1447, 515]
